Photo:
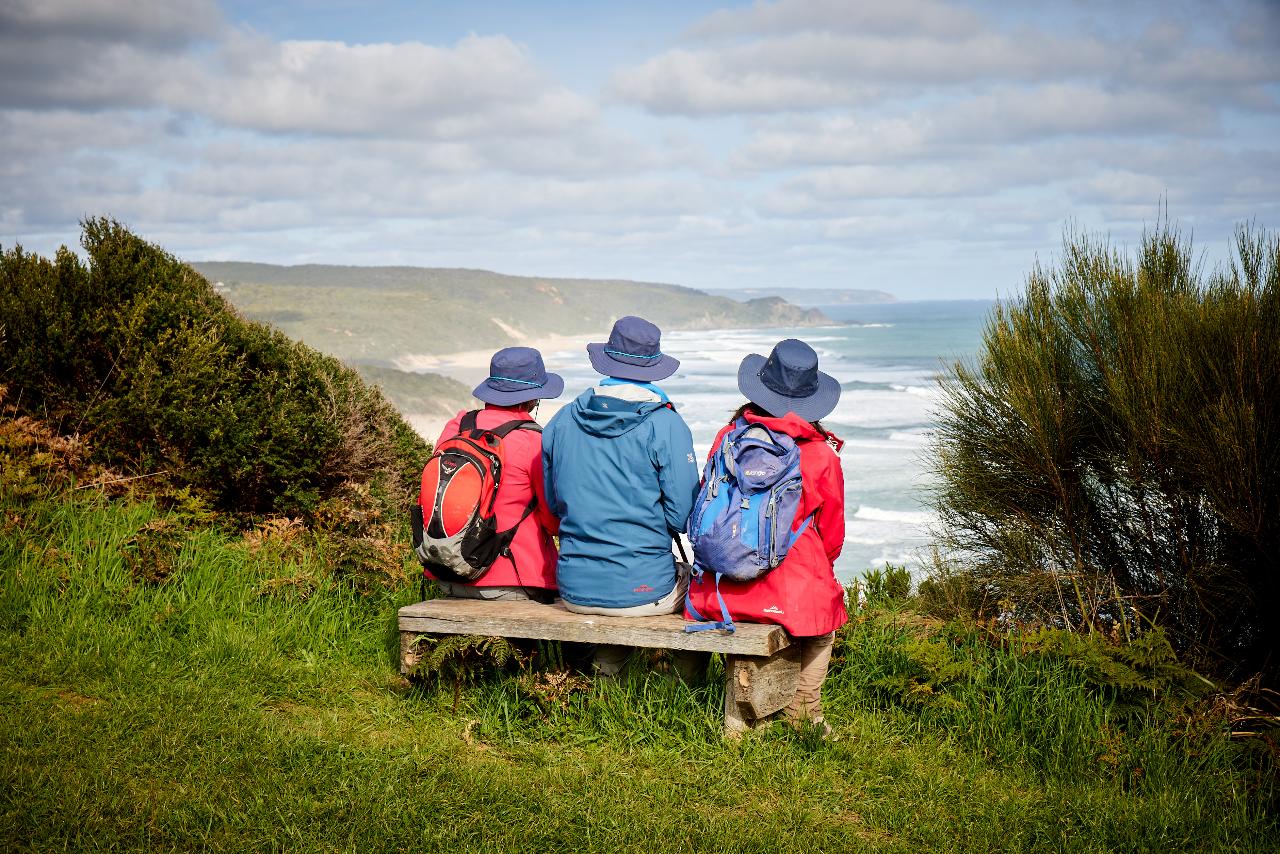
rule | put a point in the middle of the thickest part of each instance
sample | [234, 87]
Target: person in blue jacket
[621, 475]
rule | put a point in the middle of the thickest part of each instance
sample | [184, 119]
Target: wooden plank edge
[656, 638]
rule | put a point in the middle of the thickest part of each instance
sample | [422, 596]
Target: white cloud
[902, 16]
[482, 86]
[1009, 115]
[83, 58]
[800, 141]
[96, 54]
[797, 55]
[168, 25]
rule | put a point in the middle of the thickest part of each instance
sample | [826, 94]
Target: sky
[928, 148]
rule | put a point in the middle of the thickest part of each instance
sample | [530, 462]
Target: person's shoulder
[557, 420]
[452, 426]
[667, 416]
[523, 442]
[820, 450]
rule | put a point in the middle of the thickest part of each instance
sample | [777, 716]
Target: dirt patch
[72, 700]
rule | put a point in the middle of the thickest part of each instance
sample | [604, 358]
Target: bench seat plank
[553, 622]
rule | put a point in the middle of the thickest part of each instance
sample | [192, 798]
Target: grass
[251, 702]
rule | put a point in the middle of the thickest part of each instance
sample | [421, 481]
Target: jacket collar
[795, 427]
[628, 390]
[516, 413]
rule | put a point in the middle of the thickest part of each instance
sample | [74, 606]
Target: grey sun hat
[516, 375]
[633, 352]
[789, 381]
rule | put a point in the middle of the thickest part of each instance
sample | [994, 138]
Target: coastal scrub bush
[884, 586]
[136, 352]
[1112, 457]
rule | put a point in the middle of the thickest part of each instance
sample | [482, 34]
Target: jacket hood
[795, 427]
[604, 415]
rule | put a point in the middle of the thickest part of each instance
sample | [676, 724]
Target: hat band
[513, 380]
[647, 357]
[807, 390]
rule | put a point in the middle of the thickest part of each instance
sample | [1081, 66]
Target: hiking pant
[609, 659]
[815, 656]
[451, 590]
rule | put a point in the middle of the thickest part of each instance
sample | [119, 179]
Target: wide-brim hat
[789, 381]
[633, 352]
[516, 375]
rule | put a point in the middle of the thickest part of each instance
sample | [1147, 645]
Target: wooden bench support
[762, 665]
[757, 687]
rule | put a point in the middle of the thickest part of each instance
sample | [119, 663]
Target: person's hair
[755, 410]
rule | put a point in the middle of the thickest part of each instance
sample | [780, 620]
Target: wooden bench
[761, 663]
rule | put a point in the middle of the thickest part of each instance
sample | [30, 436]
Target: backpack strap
[502, 430]
[726, 453]
[740, 427]
[468, 425]
[725, 622]
[510, 533]
[468, 422]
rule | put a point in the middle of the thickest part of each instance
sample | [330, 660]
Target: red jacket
[532, 548]
[801, 594]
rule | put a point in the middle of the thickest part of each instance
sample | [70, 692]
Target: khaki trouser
[815, 656]
[451, 590]
[609, 659]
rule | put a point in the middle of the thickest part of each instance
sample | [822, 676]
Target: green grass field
[251, 702]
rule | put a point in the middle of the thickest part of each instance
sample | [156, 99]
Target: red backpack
[455, 533]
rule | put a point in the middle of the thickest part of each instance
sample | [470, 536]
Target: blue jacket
[621, 475]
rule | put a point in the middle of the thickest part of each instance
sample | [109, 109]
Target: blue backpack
[742, 520]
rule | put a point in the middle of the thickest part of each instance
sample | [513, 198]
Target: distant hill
[808, 296]
[372, 315]
[415, 393]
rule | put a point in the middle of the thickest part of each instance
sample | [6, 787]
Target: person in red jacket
[517, 381]
[788, 394]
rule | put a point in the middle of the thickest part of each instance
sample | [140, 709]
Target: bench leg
[409, 656]
[734, 723]
[757, 687]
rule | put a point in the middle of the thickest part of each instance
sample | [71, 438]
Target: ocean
[887, 359]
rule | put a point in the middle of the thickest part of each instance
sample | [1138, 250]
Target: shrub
[1115, 449]
[136, 350]
[888, 585]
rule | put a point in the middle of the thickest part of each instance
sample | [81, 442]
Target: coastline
[884, 366]
[470, 366]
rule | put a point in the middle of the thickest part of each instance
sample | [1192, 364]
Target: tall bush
[1113, 454]
[136, 351]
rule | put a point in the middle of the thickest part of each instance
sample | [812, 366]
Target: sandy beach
[471, 366]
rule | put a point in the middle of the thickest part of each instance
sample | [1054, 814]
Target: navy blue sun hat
[789, 381]
[633, 352]
[516, 374]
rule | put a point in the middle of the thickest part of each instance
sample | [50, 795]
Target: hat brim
[812, 408]
[553, 387]
[611, 367]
